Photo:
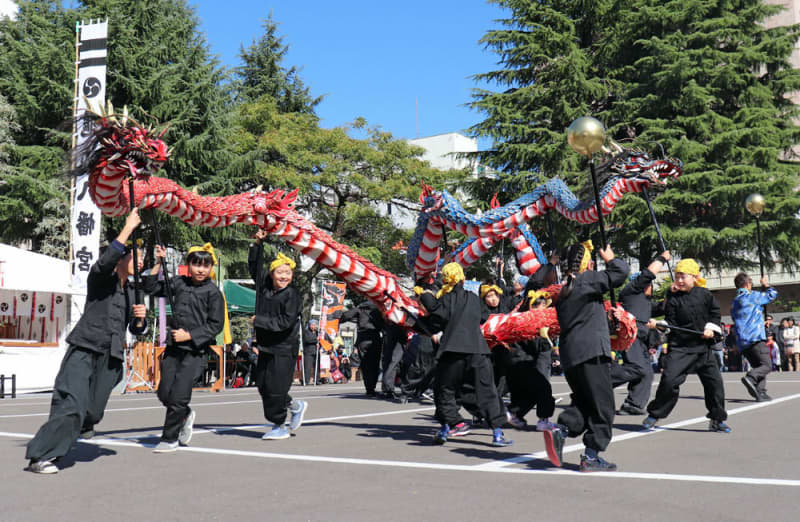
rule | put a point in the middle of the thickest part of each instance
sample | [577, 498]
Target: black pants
[637, 371]
[678, 362]
[274, 376]
[419, 374]
[761, 362]
[179, 371]
[544, 363]
[310, 365]
[592, 410]
[370, 349]
[392, 355]
[453, 368]
[80, 395]
[529, 388]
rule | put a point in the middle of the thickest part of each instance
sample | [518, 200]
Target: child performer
[278, 307]
[92, 365]
[636, 369]
[689, 305]
[528, 380]
[198, 318]
[457, 312]
[585, 349]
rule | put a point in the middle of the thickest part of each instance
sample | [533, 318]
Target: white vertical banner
[91, 89]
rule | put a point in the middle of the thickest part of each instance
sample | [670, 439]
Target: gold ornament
[586, 135]
[755, 204]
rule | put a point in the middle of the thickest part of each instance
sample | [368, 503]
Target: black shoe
[87, 434]
[763, 397]
[390, 396]
[720, 426]
[630, 409]
[589, 465]
[554, 444]
[750, 386]
[371, 394]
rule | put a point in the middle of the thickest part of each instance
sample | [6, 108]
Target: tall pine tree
[705, 79]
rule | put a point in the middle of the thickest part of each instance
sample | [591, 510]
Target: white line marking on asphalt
[718, 479]
[635, 435]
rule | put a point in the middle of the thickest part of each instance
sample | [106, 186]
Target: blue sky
[371, 58]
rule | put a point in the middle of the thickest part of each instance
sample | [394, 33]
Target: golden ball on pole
[586, 135]
[755, 204]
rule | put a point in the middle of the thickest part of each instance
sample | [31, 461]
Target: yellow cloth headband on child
[282, 259]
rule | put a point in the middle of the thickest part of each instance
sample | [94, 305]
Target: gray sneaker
[185, 434]
[166, 447]
[43, 467]
[298, 414]
[87, 434]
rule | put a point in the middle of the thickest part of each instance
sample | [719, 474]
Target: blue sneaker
[649, 423]
[441, 436]
[719, 426]
[499, 440]
[298, 415]
[277, 433]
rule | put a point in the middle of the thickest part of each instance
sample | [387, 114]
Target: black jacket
[310, 340]
[583, 320]
[634, 301]
[277, 322]
[108, 308]
[199, 309]
[369, 321]
[458, 315]
[692, 310]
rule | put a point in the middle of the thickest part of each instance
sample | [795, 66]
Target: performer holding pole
[585, 349]
[277, 322]
[92, 365]
[646, 197]
[690, 306]
[199, 309]
[751, 336]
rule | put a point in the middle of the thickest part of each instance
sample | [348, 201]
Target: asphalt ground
[365, 459]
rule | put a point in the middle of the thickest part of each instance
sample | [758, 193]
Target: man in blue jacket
[748, 316]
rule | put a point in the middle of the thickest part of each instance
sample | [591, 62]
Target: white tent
[34, 302]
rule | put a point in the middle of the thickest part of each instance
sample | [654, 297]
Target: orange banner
[332, 308]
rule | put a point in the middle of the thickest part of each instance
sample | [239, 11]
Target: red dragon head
[118, 142]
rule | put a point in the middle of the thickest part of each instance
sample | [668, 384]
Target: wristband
[662, 259]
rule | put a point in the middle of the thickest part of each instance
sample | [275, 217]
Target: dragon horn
[616, 146]
[161, 134]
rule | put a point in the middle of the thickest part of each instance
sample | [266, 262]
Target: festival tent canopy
[24, 270]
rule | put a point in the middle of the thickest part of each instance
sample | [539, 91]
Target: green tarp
[241, 300]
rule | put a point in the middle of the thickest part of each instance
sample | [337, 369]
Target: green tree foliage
[344, 183]
[707, 80]
[36, 55]
[263, 73]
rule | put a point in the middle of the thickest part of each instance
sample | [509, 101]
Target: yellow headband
[452, 274]
[139, 243]
[208, 247]
[533, 295]
[485, 289]
[587, 255]
[282, 259]
[690, 266]
[418, 290]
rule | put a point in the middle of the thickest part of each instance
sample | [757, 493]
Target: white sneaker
[298, 415]
[43, 467]
[185, 434]
[166, 447]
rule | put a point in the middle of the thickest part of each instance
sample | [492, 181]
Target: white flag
[43, 302]
[60, 307]
[6, 303]
[22, 303]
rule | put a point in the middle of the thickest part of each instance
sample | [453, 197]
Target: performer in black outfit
[277, 325]
[310, 351]
[456, 312]
[691, 306]
[369, 324]
[198, 318]
[92, 365]
[636, 369]
[585, 349]
[394, 342]
[528, 382]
